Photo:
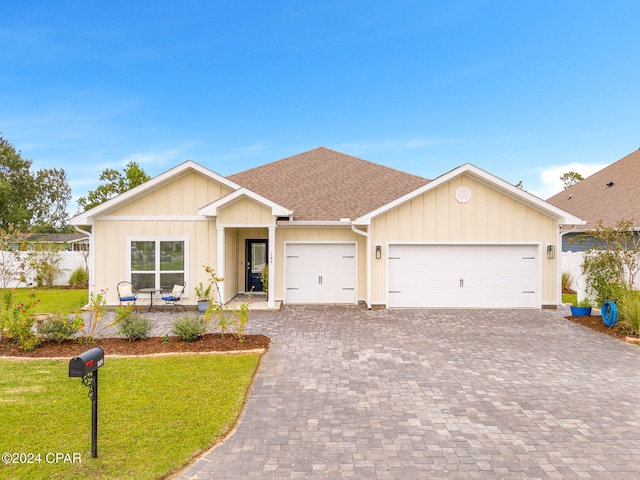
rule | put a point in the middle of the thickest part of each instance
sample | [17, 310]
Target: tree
[50, 206]
[571, 178]
[115, 184]
[17, 188]
[31, 202]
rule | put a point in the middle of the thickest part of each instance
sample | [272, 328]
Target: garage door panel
[320, 273]
[463, 276]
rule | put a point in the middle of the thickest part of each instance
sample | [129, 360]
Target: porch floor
[257, 302]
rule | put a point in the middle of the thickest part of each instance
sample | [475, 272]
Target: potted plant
[581, 308]
[203, 294]
[264, 278]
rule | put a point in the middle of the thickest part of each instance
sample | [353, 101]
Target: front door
[256, 261]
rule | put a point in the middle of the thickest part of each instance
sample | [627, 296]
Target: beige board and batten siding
[245, 211]
[169, 211]
[320, 235]
[490, 216]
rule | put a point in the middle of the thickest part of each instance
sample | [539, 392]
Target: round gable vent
[463, 194]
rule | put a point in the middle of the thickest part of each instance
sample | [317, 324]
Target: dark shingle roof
[323, 184]
[607, 196]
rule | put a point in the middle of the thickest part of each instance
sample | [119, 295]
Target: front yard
[155, 415]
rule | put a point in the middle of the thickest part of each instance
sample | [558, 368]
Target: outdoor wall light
[551, 252]
[378, 252]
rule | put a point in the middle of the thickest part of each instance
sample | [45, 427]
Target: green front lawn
[155, 414]
[53, 300]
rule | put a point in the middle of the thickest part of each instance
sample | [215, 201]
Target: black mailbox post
[86, 366]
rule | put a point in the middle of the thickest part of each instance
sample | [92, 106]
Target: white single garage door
[320, 273]
[463, 276]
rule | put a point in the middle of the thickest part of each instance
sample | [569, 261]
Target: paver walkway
[350, 393]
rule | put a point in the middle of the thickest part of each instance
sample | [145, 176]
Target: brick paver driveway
[346, 392]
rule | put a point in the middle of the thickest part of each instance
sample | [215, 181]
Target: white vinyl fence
[69, 262]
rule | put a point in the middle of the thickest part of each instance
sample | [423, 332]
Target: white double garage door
[468, 275]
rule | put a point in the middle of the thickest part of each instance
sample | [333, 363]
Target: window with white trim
[157, 262]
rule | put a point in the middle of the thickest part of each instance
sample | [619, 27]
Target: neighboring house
[607, 197]
[70, 242]
[333, 228]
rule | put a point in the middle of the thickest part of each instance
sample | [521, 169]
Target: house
[332, 228]
[608, 196]
[70, 242]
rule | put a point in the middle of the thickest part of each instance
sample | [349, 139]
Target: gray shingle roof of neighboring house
[56, 237]
[607, 196]
[325, 185]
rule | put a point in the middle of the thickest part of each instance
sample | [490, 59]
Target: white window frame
[157, 271]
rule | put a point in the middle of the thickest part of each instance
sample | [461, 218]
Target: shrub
[79, 278]
[603, 280]
[629, 311]
[611, 267]
[232, 321]
[189, 328]
[97, 309]
[134, 326]
[241, 318]
[61, 327]
[19, 323]
[45, 260]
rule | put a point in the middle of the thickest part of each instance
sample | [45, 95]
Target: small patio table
[150, 291]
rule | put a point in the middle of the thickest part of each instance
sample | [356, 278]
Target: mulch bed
[153, 345]
[594, 322]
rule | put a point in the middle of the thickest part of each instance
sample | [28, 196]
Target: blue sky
[524, 89]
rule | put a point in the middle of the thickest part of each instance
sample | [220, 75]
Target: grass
[154, 414]
[54, 300]
[569, 298]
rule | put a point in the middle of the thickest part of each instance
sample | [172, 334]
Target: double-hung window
[156, 262]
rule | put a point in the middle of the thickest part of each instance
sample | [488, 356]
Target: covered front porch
[245, 261]
[246, 243]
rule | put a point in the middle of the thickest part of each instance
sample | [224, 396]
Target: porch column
[220, 270]
[271, 291]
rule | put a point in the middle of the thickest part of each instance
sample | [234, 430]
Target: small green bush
[629, 310]
[19, 322]
[61, 327]
[189, 328]
[134, 326]
[79, 278]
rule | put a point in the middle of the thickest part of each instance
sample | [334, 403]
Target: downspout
[92, 258]
[368, 273]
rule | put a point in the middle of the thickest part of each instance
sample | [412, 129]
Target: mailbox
[86, 362]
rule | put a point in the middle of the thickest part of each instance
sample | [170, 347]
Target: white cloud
[550, 182]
